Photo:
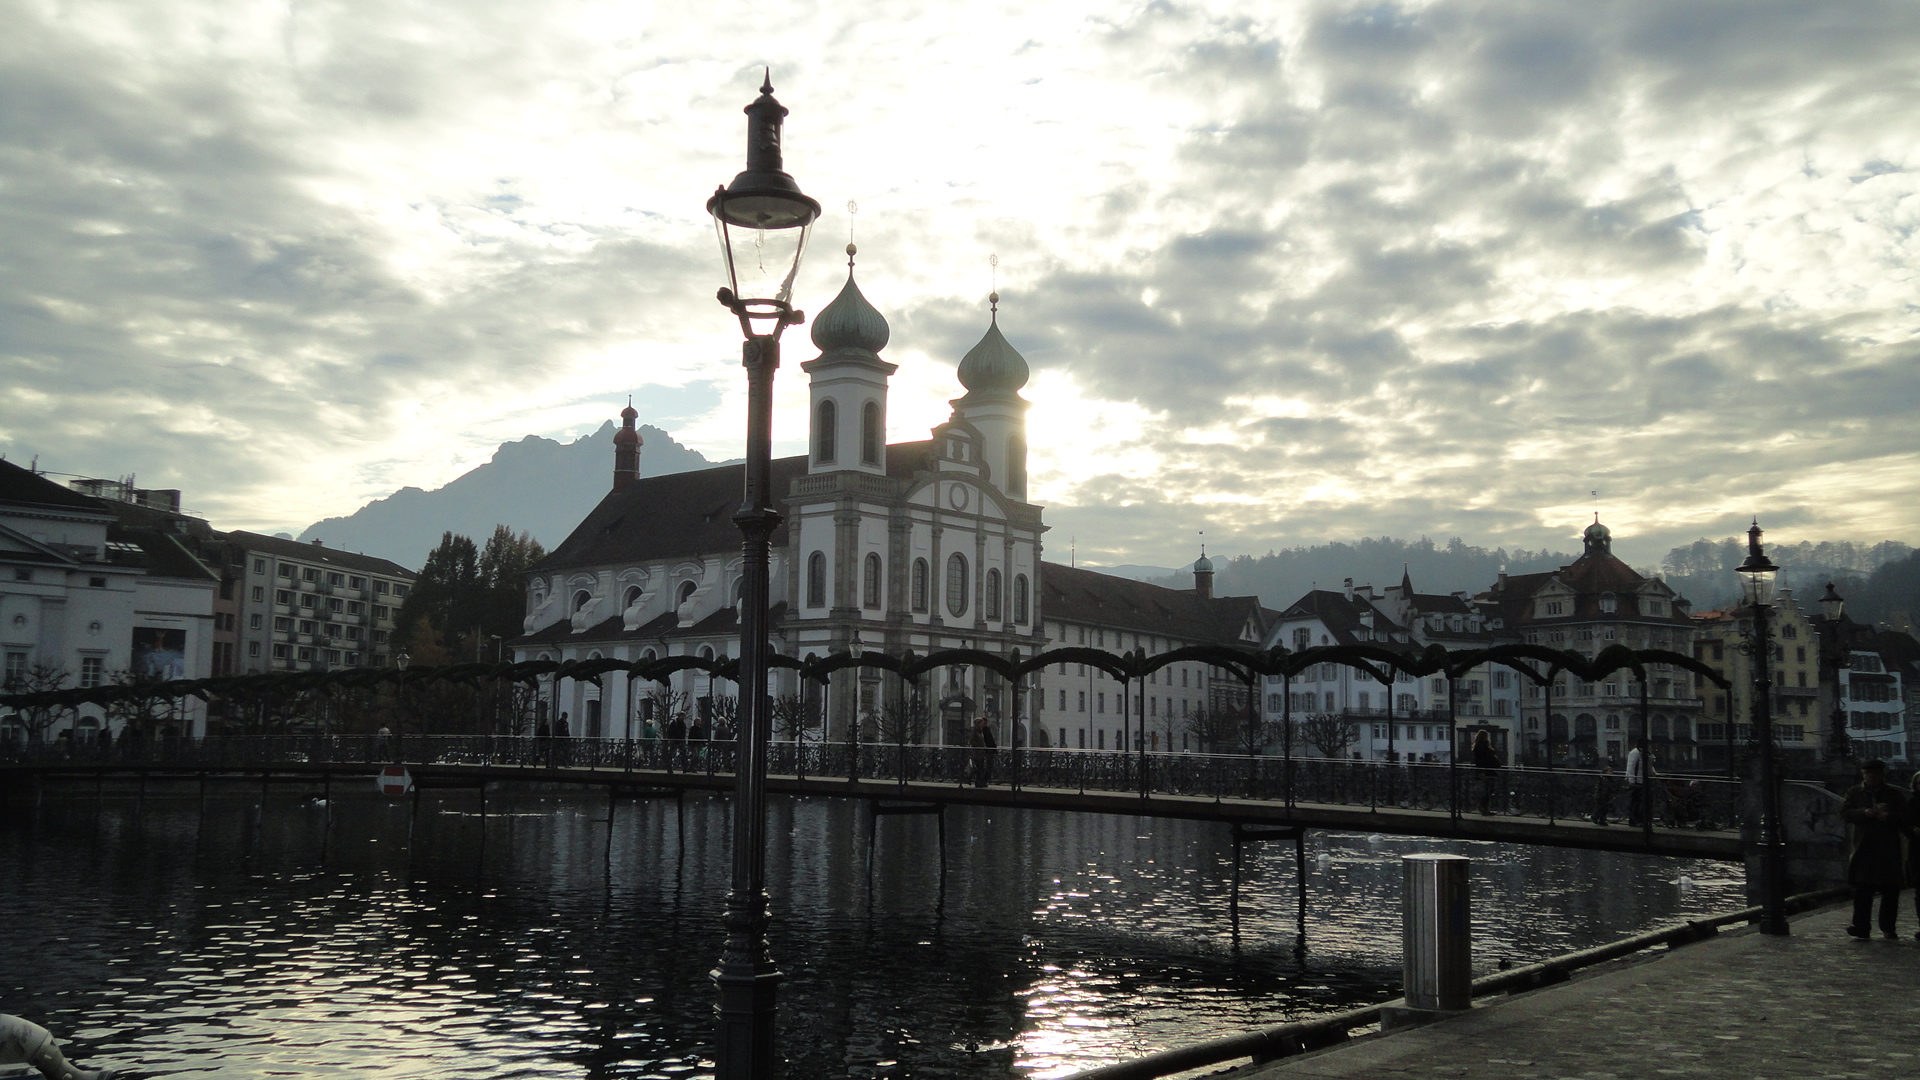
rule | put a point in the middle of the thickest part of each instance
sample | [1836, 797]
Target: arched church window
[920, 584]
[870, 436]
[1017, 466]
[687, 589]
[957, 584]
[817, 580]
[825, 432]
[870, 582]
[580, 600]
[1020, 598]
[633, 597]
[993, 594]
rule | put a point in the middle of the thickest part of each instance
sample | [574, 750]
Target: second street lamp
[763, 221]
[1756, 579]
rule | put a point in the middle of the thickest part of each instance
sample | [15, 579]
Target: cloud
[1296, 273]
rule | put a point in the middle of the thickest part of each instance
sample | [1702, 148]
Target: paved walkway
[1816, 1004]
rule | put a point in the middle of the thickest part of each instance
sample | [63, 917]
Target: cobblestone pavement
[1816, 1004]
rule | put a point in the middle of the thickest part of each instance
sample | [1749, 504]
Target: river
[315, 938]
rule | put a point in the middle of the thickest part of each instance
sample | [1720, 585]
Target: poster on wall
[159, 653]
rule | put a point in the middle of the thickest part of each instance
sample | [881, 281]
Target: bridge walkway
[1741, 1006]
[1438, 823]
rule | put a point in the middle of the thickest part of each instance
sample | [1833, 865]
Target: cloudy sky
[1285, 271]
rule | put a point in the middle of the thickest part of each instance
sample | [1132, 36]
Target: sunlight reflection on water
[330, 941]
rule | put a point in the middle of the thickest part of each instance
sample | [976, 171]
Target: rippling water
[308, 939]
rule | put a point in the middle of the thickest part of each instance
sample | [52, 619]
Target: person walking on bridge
[1876, 812]
[983, 750]
[1639, 783]
[1486, 762]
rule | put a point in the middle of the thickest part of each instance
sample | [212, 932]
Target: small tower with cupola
[993, 372]
[847, 394]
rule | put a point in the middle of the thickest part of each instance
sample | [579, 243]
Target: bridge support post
[1436, 943]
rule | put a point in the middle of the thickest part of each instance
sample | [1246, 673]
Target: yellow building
[1722, 640]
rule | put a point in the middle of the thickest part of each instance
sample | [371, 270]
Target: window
[870, 581]
[259, 594]
[96, 583]
[1017, 466]
[957, 584]
[306, 653]
[282, 652]
[817, 580]
[825, 434]
[253, 649]
[254, 622]
[381, 588]
[870, 438]
[1083, 701]
[336, 579]
[259, 566]
[687, 589]
[355, 607]
[1555, 607]
[993, 594]
[379, 637]
[919, 584]
[1020, 598]
[306, 600]
[310, 573]
[16, 667]
[381, 611]
[399, 590]
[580, 601]
[286, 572]
[335, 604]
[1302, 638]
[93, 670]
[282, 596]
[306, 626]
[356, 583]
[353, 633]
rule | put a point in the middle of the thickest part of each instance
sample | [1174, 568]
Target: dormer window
[580, 601]
[687, 589]
[1609, 603]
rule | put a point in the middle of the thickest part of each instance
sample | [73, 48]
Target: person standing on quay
[1486, 762]
[1876, 848]
[1639, 783]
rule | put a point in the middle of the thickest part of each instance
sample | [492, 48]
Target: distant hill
[535, 485]
[1138, 572]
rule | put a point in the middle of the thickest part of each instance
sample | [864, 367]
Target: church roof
[1073, 595]
[850, 322]
[993, 365]
[688, 513]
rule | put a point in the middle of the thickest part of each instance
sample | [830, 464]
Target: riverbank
[1742, 1006]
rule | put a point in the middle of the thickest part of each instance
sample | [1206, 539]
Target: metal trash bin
[1437, 965]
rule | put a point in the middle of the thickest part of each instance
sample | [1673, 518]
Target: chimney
[317, 543]
[1349, 590]
[626, 449]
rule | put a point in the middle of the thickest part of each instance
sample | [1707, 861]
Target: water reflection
[344, 936]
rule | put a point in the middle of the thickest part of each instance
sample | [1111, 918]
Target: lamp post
[763, 221]
[1756, 578]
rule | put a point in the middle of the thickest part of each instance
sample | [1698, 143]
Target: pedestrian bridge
[1691, 816]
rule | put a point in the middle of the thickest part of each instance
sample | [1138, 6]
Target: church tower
[993, 373]
[626, 449]
[847, 393]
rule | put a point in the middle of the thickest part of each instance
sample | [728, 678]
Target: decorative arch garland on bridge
[1534, 662]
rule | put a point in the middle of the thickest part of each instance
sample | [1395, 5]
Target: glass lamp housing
[762, 218]
[1758, 572]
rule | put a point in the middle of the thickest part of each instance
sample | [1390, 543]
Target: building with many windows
[1723, 640]
[1341, 711]
[87, 599]
[1596, 602]
[308, 607]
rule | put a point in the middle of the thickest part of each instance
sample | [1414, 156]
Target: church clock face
[957, 496]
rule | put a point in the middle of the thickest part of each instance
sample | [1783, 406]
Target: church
[911, 546]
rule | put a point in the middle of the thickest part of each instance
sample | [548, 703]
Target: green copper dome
[850, 322]
[993, 365]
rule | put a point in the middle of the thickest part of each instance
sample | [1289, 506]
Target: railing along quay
[1680, 801]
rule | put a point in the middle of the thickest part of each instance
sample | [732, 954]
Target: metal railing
[1685, 801]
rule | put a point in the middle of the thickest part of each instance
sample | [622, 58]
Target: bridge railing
[1675, 801]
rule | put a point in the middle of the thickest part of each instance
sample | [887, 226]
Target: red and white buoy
[394, 780]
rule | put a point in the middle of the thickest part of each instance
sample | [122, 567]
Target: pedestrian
[1487, 763]
[23, 1042]
[543, 730]
[983, 751]
[561, 729]
[1639, 783]
[1913, 834]
[1603, 789]
[1876, 848]
[382, 742]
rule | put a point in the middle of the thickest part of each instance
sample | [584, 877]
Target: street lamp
[762, 220]
[1756, 579]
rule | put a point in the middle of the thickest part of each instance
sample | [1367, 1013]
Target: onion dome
[626, 434]
[1599, 538]
[1203, 565]
[993, 365]
[849, 322]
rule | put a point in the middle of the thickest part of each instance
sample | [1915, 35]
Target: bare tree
[794, 717]
[1328, 733]
[143, 708]
[37, 678]
[665, 703]
[1218, 730]
[903, 722]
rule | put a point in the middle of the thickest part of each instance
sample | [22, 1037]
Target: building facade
[1596, 602]
[1723, 640]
